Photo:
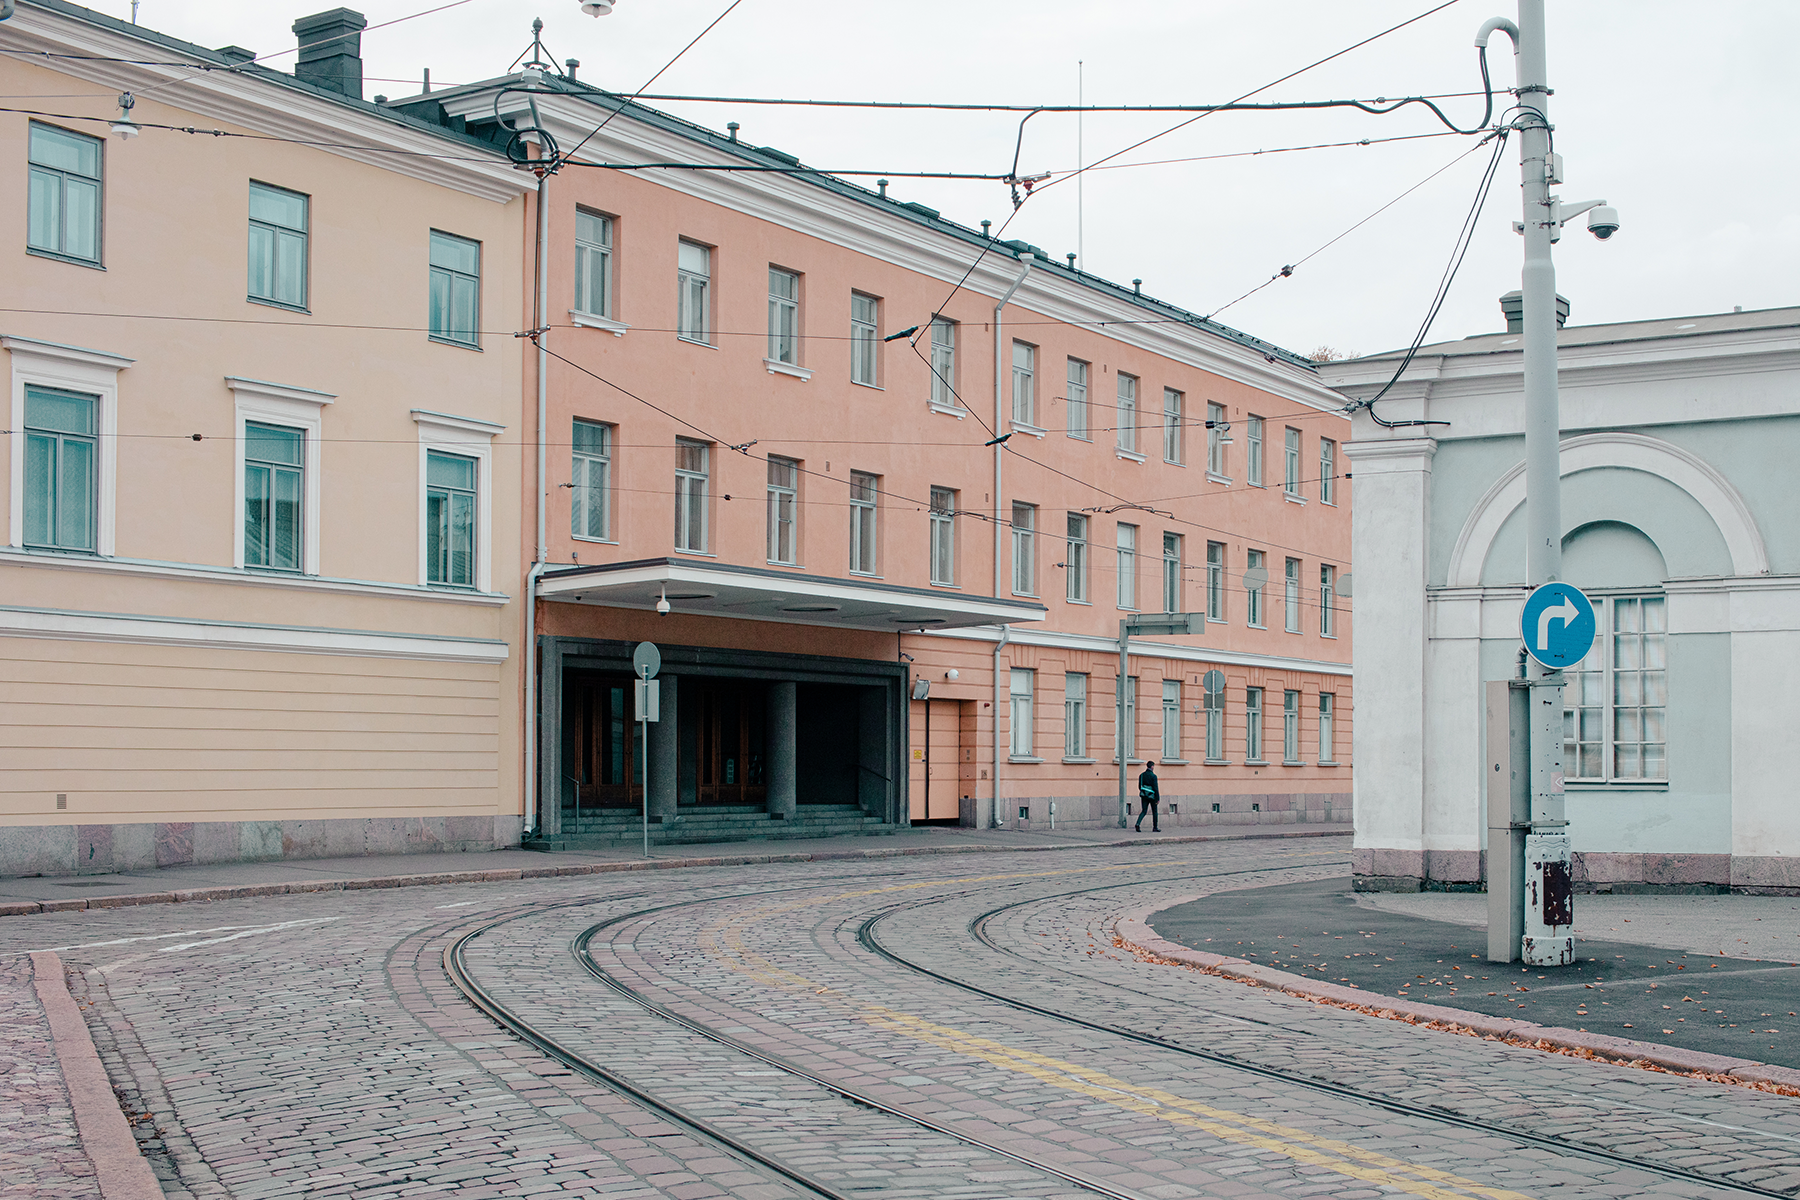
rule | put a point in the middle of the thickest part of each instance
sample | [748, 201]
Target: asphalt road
[1740, 1007]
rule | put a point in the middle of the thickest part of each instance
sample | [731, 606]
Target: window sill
[586, 320]
[866, 574]
[1022, 427]
[776, 367]
[599, 541]
[776, 562]
[938, 583]
[1329, 503]
[1216, 762]
[1080, 762]
[1130, 762]
[692, 341]
[90, 263]
[465, 589]
[1293, 762]
[1083, 603]
[1253, 625]
[1255, 483]
[62, 551]
[1079, 437]
[1128, 455]
[873, 387]
[1293, 499]
[1173, 762]
[1022, 758]
[444, 341]
[284, 307]
[1257, 762]
[1328, 762]
[948, 410]
[1216, 621]
[1215, 477]
[1173, 462]
[696, 553]
[1330, 637]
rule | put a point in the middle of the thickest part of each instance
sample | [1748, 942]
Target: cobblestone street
[892, 1027]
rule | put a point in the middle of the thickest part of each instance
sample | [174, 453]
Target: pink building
[768, 412]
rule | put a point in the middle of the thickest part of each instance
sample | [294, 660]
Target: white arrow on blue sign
[1557, 625]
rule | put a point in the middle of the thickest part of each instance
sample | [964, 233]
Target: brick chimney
[331, 51]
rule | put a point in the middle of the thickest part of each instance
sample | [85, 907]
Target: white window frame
[1024, 548]
[1291, 594]
[1174, 549]
[275, 231]
[865, 523]
[585, 249]
[1215, 441]
[581, 466]
[691, 326]
[467, 437]
[784, 318]
[783, 512]
[1327, 594]
[1327, 471]
[1327, 727]
[1125, 723]
[1213, 705]
[1021, 712]
[70, 369]
[1127, 543]
[1076, 399]
[1024, 386]
[1253, 725]
[1602, 664]
[943, 365]
[943, 536]
[1076, 553]
[685, 480]
[1127, 417]
[448, 336]
[1215, 582]
[1290, 727]
[1171, 720]
[1174, 404]
[1075, 704]
[1254, 616]
[1253, 451]
[99, 182]
[865, 336]
[297, 408]
[1290, 462]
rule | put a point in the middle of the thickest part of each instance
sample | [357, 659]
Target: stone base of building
[1179, 812]
[1375, 869]
[102, 849]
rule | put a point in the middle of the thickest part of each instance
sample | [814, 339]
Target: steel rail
[867, 938]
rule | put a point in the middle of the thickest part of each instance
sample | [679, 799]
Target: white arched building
[1680, 466]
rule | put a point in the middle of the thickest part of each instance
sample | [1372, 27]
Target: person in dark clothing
[1149, 797]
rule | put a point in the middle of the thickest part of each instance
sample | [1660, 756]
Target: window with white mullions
[1174, 410]
[1023, 684]
[455, 289]
[278, 221]
[693, 288]
[1212, 703]
[943, 536]
[1254, 561]
[784, 316]
[1171, 719]
[1075, 699]
[865, 340]
[1290, 480]
[274, 495]
[1171, 589]
[593, 263]
[1327, 471]
[1125, 731]
[1127, 413]
[590, 478]
[1253, 724]
[1615, 719]
[1215, 581]
[943, 362]
[1024, 384]
[1215, 439]
[1128, 566]
[784, 510]
[450, 519]
[691, 500]
[1290, 726]
[61, 482]
[63, 206]
[1024, 542]
[1075, 555]
[1327, 727]
[1291, 595]
[1327, 601]
[1077, 399]
[1253, 451]
[864, 489]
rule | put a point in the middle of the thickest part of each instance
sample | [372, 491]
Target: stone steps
[615, 827]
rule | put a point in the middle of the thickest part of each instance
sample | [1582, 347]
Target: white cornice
[445, 421]
[1056, 640]
[259, 105]
[68, 354]
[278, 391]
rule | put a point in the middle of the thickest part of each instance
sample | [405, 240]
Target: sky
[1650, 97]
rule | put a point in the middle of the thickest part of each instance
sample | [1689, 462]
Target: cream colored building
[260, 482]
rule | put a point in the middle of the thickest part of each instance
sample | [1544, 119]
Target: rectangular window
[1253, 724]
[63, 209]
[1291, 595]
[278, 220]
[943, 362]
[1173, 404]
[1024, 384]
[1290, 727]
[1327, 727]
[1253, 450]
[693, 292]
[1212, 703]
[590, 480]
[784, 317]
[784, 510]
[943, 535]
[1327, 601]
[1128, 566]
[863, 529]
[1125, 732]
[1215, 439]
[1171, 719]
[1077, 399]
[1075, 696]
[274, 495]
[1022, 682]
[691, 500]
[1215, 581]
[61, 480]
[1127, 414]
[1327, 471]
[865, 340]
[1256, 576]
[1290, 472]
[455, 289]
[1024, 547]
[593, 263]
[1615, 723]
[1075, 555]
[1171, 580]
[449, 519]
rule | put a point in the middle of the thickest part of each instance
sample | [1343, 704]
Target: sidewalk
[222, 881]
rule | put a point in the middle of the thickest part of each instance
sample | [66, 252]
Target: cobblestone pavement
[40, 1154]
[313, 1045]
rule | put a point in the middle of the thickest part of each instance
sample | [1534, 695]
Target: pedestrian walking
[1149, 797]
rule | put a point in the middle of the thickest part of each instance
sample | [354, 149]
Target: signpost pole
[1122, 741]
[646, 661]
[644, 742]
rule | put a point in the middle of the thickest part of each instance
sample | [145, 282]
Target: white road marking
[158, 937]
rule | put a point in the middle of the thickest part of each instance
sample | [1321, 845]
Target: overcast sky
[1675, 112]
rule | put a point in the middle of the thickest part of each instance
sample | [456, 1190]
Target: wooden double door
[936, 766]
[721, 731]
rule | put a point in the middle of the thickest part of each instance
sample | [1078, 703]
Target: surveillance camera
[596, 8]
[1603, 221]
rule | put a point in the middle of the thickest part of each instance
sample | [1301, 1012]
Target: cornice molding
[81, 355]
[1050, 639]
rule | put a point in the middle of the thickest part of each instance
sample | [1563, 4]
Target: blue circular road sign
[1557, 625]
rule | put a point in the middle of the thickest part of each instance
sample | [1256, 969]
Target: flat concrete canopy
[765, 594]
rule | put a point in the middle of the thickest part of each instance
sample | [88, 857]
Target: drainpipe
[1005, 636]
[999, 507]
[533, 813]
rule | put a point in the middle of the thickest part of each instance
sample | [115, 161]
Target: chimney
[1513, 305]
[331, 51]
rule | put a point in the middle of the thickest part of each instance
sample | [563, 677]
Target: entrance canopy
[762, 594]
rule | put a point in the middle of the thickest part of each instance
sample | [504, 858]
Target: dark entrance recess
[603, 767]
[723, 734]
[825, 744]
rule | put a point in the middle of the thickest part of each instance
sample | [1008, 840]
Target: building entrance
[936, 775]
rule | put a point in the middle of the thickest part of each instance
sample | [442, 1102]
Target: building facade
[770, 402]
[262, 473]
[1677, 436]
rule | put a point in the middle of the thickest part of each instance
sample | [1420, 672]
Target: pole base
[1547, 951]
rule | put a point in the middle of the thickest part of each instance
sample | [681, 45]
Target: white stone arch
[1633, 451]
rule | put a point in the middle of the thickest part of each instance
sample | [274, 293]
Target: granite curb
[1134, 929]
[106, 1139]
[16, 908]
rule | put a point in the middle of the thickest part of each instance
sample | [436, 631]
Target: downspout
[999, 503]
[533, 741]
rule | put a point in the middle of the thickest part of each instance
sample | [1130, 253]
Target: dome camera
[596, 8]
[1603, 221]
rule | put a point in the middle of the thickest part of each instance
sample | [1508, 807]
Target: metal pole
[1121, 740]
[644, 742]
[1543, 944]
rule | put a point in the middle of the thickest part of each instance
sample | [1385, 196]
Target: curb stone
[19, 908]
[1134, 929]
